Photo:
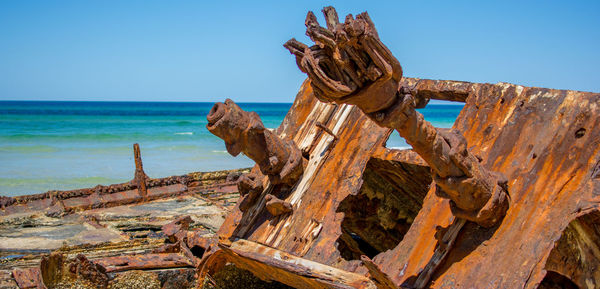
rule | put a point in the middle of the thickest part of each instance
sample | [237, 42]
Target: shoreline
[113, 223]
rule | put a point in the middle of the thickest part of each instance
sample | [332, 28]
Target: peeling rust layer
[27, 278]
[57, 270]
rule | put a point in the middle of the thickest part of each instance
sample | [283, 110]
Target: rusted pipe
[242, 131]
[327, 130]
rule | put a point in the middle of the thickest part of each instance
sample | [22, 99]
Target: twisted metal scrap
[349, 64]
[56, 271]
[250, 187]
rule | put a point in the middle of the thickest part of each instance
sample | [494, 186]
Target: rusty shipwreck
[507, 198]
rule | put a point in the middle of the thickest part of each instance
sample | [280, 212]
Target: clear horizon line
[159, 101]
[435, 101]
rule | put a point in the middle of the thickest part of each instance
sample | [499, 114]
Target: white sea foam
[400, 148]
[221, 152]
[185, 133]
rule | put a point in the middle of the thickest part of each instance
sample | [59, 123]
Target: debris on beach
[159, 227]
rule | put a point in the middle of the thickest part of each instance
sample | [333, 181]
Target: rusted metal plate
[534, 136]
[144, 262]
[121, 198]
[27, 206]
[27, 278]
[82, 203]
[164, 191]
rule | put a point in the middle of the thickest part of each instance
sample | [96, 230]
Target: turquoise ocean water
[69, 145]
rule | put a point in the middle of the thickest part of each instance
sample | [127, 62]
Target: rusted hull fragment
[528, 134]
[145, 262]
[272, 264]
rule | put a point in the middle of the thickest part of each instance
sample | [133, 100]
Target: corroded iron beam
[139, 176]
[243, 131]
[273, 264]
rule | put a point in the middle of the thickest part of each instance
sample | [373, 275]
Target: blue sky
[210, 50]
